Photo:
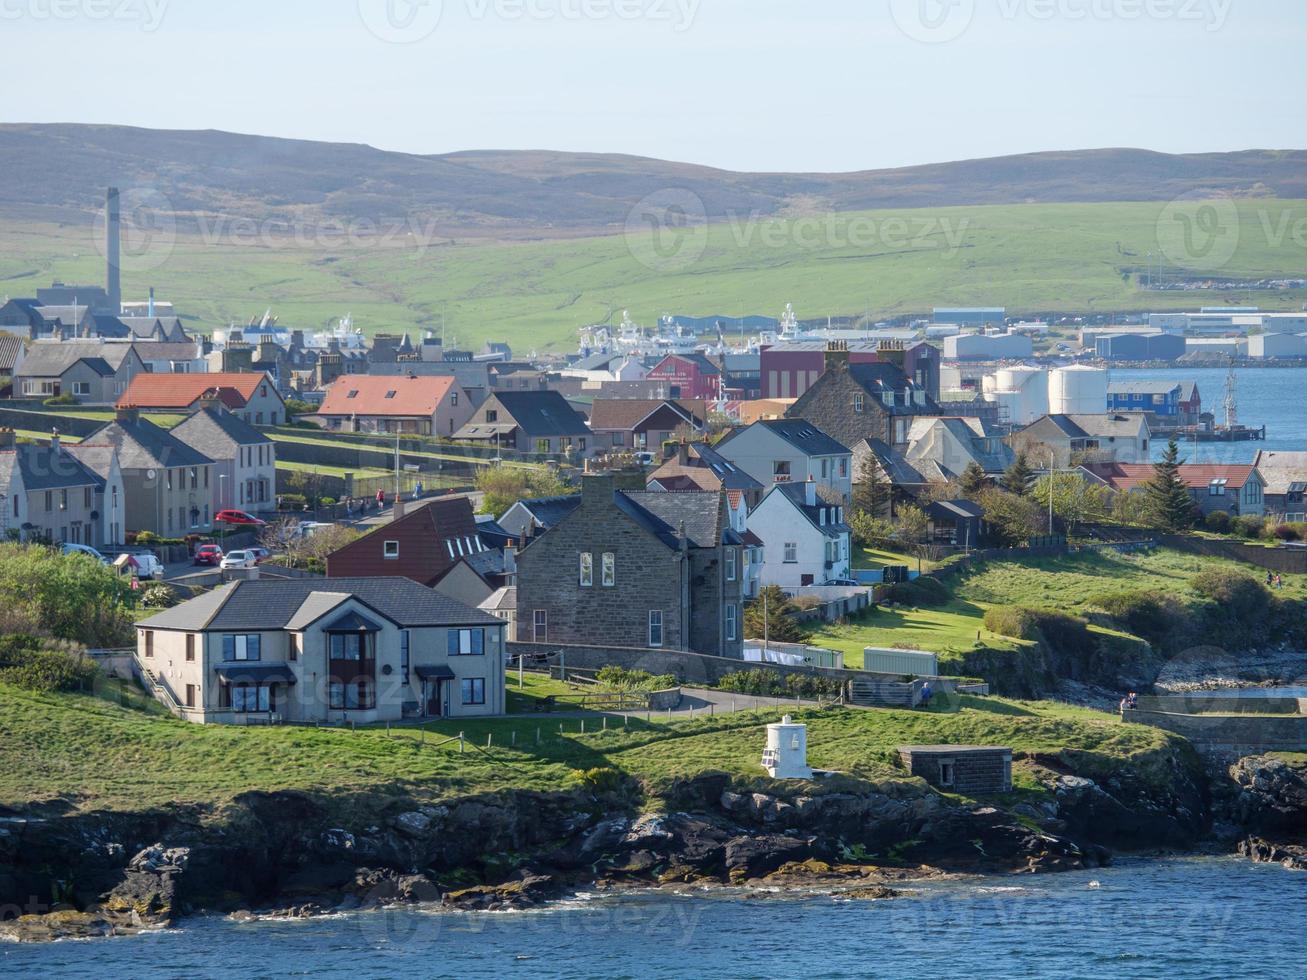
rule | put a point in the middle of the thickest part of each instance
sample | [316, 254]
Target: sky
[762, 85]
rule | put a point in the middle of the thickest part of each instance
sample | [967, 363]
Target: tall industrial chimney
[112, 251]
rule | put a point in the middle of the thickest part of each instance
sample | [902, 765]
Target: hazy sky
[743, 84]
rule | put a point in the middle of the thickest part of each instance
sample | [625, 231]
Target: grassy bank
[118, 751]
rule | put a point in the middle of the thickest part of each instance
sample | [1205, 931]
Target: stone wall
[1289, 561]
[44, 421]
[1230, 735]
[975, 771]
[1216, 704]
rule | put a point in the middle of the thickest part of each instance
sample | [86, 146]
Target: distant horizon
[672, 160]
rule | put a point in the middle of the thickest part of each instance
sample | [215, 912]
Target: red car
[208, 554]
[239, 517]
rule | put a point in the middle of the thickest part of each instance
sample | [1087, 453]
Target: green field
[102, 752]
[535, 295]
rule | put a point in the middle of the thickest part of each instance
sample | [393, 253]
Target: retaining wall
[1230, 734]
[1290, 561]
[1216, 704]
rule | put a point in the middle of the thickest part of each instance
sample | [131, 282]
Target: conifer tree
[1166, 496]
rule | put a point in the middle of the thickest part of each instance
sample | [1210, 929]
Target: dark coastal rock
[1291, 856]
[1272, 797]
[525, 892]
[755, 856]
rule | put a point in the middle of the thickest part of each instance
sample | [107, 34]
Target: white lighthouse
[786, 754]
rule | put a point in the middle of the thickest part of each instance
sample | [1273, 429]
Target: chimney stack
[8, 438]
[810, 492]
[54, 442]
[837, 355]
[112, 252]
[128, 415]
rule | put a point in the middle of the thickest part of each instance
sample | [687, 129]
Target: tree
[72, 597]
[1012, 520]
[1075, 500]
[1169, 505]
[912, 530]
[872, 532]
[502, 486]
[765, 617]
[283, 537]
[1018, 477]
[973, 480]
[873, 495]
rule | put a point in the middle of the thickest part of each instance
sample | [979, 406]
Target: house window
[791, 552]
[453, 398]
[82, 389]
[732, 621]
[190, 695]
[390, 549]
[466, 643]
[844, 466]
[352, 665]
[149, 643]
[859, 403]
[655, 627]
[587, 569]
[1217, 488]
[473, 690]
[542, 446]
[492, 415]
[49, 500]
[251, 698]
[781, 471]
[730, 564]
[86, 498]
[190, 647]
[242, 647]
[619, 439]
[610, 569]
[404, 654]
[540, 626]
[293, 646]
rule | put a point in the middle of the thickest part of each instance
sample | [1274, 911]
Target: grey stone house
[635, 568]
[245, 460]
[528, 422]
[853, 402]
[168, 486]
[48, 494]
[92, 371]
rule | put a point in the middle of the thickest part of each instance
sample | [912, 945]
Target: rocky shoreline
[74, 875]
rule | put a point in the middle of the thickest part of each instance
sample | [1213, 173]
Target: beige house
[48, 494]
[168, 487]
[425, 405]
[244, 459]
[92, 371]
[361, 650]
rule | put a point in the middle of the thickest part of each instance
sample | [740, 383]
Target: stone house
[48, 494]
[528, 422]
[244, 459]
[972, 770]
[421, 405]
[168, 486]
[350, 650]
[791, 450]
[852, 402]
[635, 568]
[92, 371]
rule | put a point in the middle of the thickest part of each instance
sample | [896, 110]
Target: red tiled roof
[1197, 476]
[395, 395]
[234, 389]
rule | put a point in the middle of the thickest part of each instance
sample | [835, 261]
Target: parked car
[237, 559]
[259, 554]
[844, 582]
[306, 529]
[84, 549]
[208, 554]
[238, 517]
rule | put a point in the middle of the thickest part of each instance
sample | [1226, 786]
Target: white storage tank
[786, 754]
[1078, 390]
[1020, 392]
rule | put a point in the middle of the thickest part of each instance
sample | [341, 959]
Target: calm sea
[1273, 397]
[1175, 918]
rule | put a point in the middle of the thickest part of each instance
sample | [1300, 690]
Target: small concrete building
[786, 754]
[973, 770]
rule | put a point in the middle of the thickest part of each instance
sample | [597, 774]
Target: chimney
[597, 487]
[810, 492]
[683, 453]
[112, 252]
[837, 355]
[510, 563]
[892, 352]
[128, 415]
[54, 442]
[8, 438]
[150, 312]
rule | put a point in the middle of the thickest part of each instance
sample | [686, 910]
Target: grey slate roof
[143, 445]
[11, 348]
[542, 413]
[730, 475]
[217, 433]
[44, 469]
[665, 513]
[797, 494]
[548, 511]
[878, 378]
[268, 604]
[50, 359]
[799, 433]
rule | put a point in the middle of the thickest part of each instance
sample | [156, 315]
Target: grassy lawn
[120, 750]
[874, 558]
[363, 472]
[380, 444]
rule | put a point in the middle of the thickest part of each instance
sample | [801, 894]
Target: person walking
[381, 499]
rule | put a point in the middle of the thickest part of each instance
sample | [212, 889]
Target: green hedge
[1064, 633]
[768, 683]
[924, 591]
[45, 666]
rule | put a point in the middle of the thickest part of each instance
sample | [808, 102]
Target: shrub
[328, 501]
[1286, 532]
[621, 679]
[924, 591]
[598, 780]
[1013, 621]
[145, 538]
[158, 596]
[762, 682]
[1218, 521]
[1064, 633]
[1247, 527]
[1151, 615]
[1236, 595]
[293, 501]
[64, 399]
[45, 666]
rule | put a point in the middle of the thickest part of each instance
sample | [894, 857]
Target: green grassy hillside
[535, 295]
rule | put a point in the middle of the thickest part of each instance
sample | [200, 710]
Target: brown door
[434, 702]
[190, 693]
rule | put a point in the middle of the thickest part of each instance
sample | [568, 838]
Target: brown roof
[1197, 476]
[627, 413]
[148, 390]
[400, 395]
[425, 537]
